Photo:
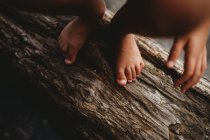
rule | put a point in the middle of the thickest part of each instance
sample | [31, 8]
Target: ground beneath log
[26, 113]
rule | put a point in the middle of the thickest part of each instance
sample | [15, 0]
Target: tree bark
[150, 108]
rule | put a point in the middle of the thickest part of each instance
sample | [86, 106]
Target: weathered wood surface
[150, 108]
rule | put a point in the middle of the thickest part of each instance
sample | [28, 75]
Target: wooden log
[150, 108]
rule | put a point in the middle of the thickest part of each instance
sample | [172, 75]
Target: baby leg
[129, 61]
[76, 32]
[74, 35]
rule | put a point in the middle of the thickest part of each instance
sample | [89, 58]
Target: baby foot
[73, 37]
[129, 61]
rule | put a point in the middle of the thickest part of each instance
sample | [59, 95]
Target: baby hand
[194, 45]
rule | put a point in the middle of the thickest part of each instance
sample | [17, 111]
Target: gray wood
[150, 108]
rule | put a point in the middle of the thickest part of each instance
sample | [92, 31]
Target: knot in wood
[87, 94]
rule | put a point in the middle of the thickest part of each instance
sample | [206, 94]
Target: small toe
[71, 56]
[128, 74]
[67, 61]
[121, 78]
[138, 70]
[142, 65]
[65, 48]
[133, 70]
[62, 46]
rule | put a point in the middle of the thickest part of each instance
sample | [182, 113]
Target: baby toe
[133, 70]
[142, 64]
[71, 56]
[121, 78]
[128, 74]
[65, 48]
[138, 70]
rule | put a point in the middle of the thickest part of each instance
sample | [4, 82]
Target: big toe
[71, 56]
[121, 78]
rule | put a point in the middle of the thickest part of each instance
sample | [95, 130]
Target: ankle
[97, 9]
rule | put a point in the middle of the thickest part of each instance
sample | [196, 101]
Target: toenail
[68, 61]
[122, 82]
[170, 64]
[129, 81]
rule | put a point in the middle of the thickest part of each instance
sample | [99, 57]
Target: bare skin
[189, 24]
[72, 38]
[194, 45]
[76, 32]
[129, 62]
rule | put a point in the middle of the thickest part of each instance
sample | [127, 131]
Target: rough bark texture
[150, 108]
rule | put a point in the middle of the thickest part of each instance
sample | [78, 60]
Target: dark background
[26, 113]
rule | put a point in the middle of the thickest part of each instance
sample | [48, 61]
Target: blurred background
[27, 114]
